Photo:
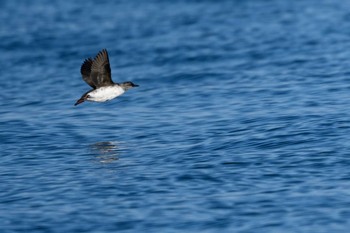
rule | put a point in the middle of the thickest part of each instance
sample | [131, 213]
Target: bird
[97, 74]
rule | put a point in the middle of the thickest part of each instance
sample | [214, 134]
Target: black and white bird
[97, 74]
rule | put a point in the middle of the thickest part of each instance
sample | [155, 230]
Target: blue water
[241, 122]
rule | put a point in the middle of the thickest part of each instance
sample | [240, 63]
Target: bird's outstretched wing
[85, 71]
[100, 70]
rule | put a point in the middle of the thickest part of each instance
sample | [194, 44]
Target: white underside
[103, 94]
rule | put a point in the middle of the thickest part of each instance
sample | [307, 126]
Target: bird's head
[128, 85]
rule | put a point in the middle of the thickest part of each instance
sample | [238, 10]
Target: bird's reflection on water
[107, 152]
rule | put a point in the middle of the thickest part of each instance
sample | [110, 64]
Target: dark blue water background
[241, 122]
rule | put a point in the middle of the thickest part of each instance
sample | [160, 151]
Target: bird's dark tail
[79, 101]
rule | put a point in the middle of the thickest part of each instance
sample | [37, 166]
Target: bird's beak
[135, 85]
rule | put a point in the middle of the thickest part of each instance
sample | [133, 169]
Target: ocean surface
[241, 122]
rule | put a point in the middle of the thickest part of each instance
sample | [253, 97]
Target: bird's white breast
[103, 94]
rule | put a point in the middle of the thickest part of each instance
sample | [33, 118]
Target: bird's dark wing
[85, 71]
[100, 70]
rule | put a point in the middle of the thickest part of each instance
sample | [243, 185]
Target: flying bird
[97, 74]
